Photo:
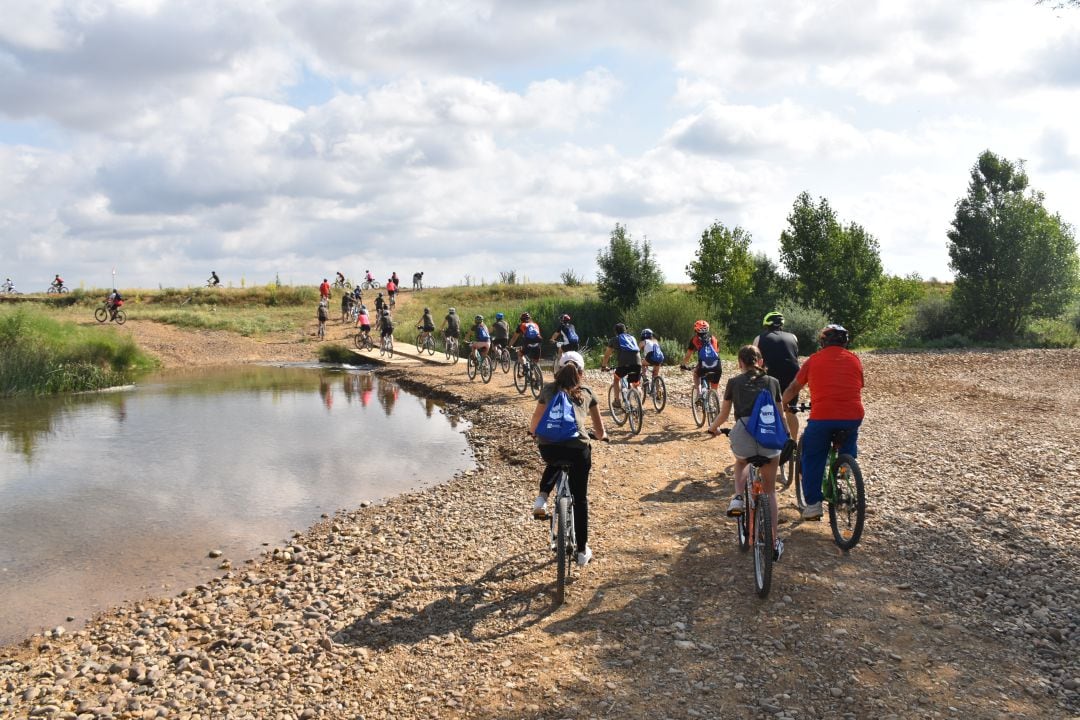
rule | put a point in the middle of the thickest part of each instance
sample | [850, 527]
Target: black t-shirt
[742, 390]
[781, 352]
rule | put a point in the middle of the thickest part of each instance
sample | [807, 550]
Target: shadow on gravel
[478, 611]
[686, 489]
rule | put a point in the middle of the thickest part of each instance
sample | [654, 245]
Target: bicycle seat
[758, 460]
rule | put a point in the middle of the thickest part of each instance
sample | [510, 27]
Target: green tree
[767, 288]
[722, 271]
[627, 270]
[831, 267]
[1014, 261]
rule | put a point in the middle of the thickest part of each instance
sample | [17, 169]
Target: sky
[293, 138]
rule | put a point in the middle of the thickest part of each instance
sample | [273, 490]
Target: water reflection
[104, 497]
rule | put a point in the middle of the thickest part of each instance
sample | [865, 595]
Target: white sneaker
[736, 507]
[812, 512]
[583, 558]
[540, 508]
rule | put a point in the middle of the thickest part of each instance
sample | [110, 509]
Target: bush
[934, 318]
[570, 278]
[804, 323]
[1052, 333]
[336, 353]
[671, 313]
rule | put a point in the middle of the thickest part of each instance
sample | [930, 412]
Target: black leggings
[580, 459]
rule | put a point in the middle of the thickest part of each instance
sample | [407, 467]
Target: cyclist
[394, 278]
[835, 377]
[569, 375]
[708, 353]
[386, 325]
[113, 302]
[740, 394]
[8, 286]
[451, 326]
[780, 350]
[368, 276]
[324, 289]
[339, 281]
[531, 338]
[346, 305]
[214, 280]
[418, 281]
[58, 282]
[323, 315]
[567, 334]
[651, 354]
[500, 331]
[363, 321]
[391, 291]
[380, 304]
[482, 338]
[358, 294]
[628, 357]
[426, 324]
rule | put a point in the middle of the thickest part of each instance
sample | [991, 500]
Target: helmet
[565, 318]
[773, 318]
[499, 316]
[452, 311]
[427, 310]
[479, 318]
[833, 335]
[646, 334]
[701, 327]
[525, 317]
[570, 356]
[386, 313]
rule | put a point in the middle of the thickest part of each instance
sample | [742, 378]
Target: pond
[120, 495]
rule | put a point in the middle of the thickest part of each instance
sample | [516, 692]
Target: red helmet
[701, 326]
[565, 318]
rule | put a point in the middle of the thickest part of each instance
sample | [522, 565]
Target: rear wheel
[121, 317]
[635, 412]
[763, 546]
[618, 412]
[519, 376]
[659, 394]
[536, 379]
[504, 359]
[101, 314]
[562, 546]
[712, 406]
[697, 406]
[847, 512]
[487, 365]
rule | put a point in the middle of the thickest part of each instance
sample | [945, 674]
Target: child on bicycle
[531, 338]
[651, 354]
[482, 338]
[741, 394]
[569, 376]
[628, 357]
[703, 343]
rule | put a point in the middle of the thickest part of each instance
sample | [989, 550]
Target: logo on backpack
[765, 425]
[707, 354]
[558, 423]
[532, 331]
[628, 343]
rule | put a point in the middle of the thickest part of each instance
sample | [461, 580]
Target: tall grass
[671, 313]
[240, 320]
[40, 355]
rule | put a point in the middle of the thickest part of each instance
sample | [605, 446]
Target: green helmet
[773, 318]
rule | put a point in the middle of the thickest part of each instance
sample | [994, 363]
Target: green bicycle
[842, 488]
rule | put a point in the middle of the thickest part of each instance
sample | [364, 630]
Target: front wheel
[52, 289]
[101, 314]
[847, 510]
[659, 394]
[614, 403]
[634, 412]
[697, 406]
[121, 317]
[763, 546]
[429, 345]
[536, 377]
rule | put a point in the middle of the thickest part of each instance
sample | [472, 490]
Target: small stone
[215, 554]
[836, 692]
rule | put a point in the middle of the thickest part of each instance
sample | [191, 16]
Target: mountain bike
[104, 313]
[527, 374]
[55, 288]
[424, 341]
[753, 526]
[8, 288]
[627, 406]
[370, 285]
[656, 390]
[843, 491]
[478, 363]
[450, 347]
[363, 341]
[342, 285]
[386, 346]
[704, 402]
[500, 355]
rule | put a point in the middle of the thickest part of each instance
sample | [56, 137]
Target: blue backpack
[628, 343]
[765, 424]
[482, 334]
[569, 333]
[707, 355]
[532, 331]
[558, 423]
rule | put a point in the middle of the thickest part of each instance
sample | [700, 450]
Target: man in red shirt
[835, 377]
[324, 289]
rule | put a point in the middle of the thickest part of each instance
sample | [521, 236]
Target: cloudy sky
[464, 137]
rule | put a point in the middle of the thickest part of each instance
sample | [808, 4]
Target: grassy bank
[40, 355]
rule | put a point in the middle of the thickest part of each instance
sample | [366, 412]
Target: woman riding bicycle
[835, 377]
[481, 337]
[741, 393]
[569, 375]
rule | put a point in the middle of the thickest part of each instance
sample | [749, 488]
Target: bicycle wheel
[455, 353]
[504, 360]
[390, 347]
[847, 511]
[519, 376]
[562, 546]
[697, 407]
[470, 366]
[659, 394]
[742, 527]
[420, 342]
[536, 380]
[121, 317]
[487, 366]
[763, 545]
[429, 345]
[52, 290]
[382, 347]
[358, 340]
[800, 499]
[101, 314]
[785, 474]
[635, 412]
[618, 414]
[712, 406]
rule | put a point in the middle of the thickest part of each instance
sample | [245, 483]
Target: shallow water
[120, 495]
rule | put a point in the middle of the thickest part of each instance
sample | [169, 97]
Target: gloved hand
[789, 449]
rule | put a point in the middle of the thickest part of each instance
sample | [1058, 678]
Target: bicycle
[8, 288]
[386, 346]
[342, 285]
[450, 347]
[393, 301]
[500, 355]
[212, 283]
[656, 390]
[842, 489]
[55, 288]
[753, 526]
[478, 363]
[370, 285]
[788, 468]
[627, 406]
[363, 341]
[104, 313]
[424, 341]
[704, 402]
[527, 374]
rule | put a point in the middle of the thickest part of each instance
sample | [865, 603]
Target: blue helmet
[499, 316]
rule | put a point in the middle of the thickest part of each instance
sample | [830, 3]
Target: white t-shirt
[650, 345]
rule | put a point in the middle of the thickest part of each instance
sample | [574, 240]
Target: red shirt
[391, 286]
[835, 377]
[324, 289]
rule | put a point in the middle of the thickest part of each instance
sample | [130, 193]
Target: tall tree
[1014, 261]
[767, 288]
[627, 270]
[831, 267]
[723, 269]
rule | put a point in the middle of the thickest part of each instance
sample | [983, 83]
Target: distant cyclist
[386, 325]
[566, 334]
[835, 377]
[780, 350]
[58, 282]
[628, 360]
[114, 301]
[363, 321]
[500, 331]
[481, 337]
[214, 280]
[426, 324]
[339, 280]
[451, 326]
[380, 304]
[391, 291]
[704, 345]
[8, 286]
[531, 338]
[651, 354]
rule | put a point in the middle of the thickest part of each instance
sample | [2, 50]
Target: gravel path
[961, 600]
